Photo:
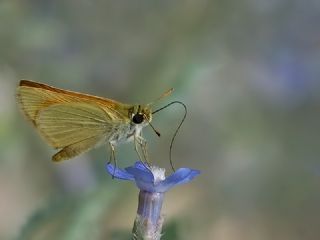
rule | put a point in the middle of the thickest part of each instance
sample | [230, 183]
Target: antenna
[163, 95]
[175, 133]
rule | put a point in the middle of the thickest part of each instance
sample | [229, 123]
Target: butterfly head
[141, 115]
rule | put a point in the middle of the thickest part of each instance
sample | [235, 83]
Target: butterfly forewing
[69, 123]
[73, 121]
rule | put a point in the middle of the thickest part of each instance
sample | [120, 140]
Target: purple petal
[141, 165]
[119, 173]
[141, 175]
[181, 176]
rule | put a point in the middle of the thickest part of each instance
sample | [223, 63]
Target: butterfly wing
[34, 96]
[67, 123]
[72, 121]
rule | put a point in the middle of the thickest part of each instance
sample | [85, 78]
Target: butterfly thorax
[139, 116]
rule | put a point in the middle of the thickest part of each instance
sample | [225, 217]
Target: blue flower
[152, 179]
[153, 184]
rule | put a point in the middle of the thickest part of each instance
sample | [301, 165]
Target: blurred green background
[249, 74]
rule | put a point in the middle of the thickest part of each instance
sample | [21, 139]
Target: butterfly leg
[112, 154]
[136, 148]
[143, 145]
[112, 158]
[136, 143]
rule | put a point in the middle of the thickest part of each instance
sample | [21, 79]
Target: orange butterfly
[76, 122]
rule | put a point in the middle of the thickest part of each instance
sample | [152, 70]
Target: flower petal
[119, 173]
[143, 177]
[141, 165]
[181, 176]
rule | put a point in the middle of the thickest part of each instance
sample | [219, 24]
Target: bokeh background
[249, 73]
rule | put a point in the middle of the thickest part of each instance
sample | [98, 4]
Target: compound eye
[137, 118]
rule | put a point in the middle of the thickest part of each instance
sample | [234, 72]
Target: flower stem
[148, 222]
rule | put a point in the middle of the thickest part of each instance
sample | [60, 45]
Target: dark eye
[138, 118]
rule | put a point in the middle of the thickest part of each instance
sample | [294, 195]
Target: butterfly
[74, 122]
